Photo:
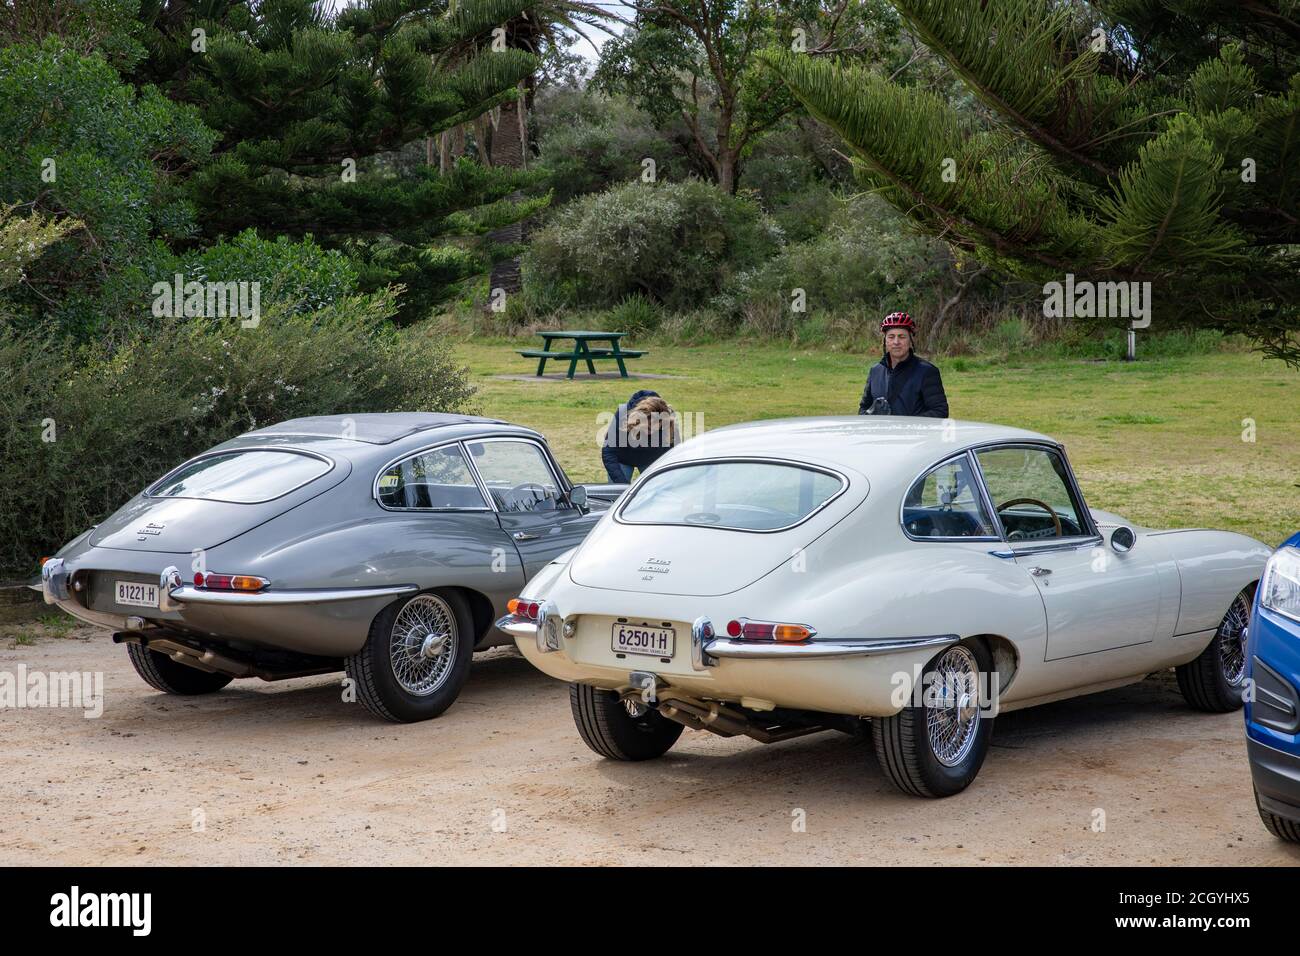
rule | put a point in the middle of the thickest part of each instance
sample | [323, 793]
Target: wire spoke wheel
[952, 712]
[422, 644]
[1232, 641]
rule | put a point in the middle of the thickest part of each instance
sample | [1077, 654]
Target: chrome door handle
[1040, 572]
[524, 536]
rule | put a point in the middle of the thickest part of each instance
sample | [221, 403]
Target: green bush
[675, 243]
[865, 260]
[300, 276]
[121, 417]
[636, 315]
[588, 155]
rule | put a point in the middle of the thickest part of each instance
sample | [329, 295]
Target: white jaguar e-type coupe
[778, 578]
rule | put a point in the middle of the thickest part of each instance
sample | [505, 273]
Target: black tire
[162, 673]
[372, 669]
[610, 730]
[1280, 827]
[904, 749]
[1206, 682]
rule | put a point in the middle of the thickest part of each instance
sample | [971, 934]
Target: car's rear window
[739, 495]
[241, 477]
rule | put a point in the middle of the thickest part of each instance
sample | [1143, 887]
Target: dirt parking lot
[288, 773]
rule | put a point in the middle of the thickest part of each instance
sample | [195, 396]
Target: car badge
[654, 566]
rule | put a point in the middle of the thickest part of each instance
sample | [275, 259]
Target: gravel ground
[288, 773]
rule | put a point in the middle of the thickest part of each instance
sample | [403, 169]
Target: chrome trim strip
[821, 650]
[1057, 544]
[188, 594]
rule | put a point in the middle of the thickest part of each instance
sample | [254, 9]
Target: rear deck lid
[216, 497]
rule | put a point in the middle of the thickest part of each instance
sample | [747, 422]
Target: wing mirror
[1122, 539]
[578, 497]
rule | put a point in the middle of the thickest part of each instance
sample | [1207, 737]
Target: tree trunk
[444, 152]
[727, 170]
[728, 154]
[509, 150]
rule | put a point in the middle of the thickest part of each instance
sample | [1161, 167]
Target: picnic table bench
[582, 350]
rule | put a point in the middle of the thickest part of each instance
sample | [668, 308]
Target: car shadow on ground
[500, 680]
[496, 678]
[1094, 722]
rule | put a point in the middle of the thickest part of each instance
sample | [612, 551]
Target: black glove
[880, 407]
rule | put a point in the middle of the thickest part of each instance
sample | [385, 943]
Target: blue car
[1273, 709]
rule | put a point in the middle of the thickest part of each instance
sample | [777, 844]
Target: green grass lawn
[1158, 441]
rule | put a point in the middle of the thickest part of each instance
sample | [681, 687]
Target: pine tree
[1123, 141]
[323, 119]
[546, 26]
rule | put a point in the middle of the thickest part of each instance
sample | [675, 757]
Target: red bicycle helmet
[897, 320]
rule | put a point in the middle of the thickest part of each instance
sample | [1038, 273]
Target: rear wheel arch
[480, 609]
[1005, 654]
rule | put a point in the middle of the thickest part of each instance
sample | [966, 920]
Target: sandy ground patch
[288, 773]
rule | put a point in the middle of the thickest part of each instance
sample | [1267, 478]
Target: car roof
[875, 445]
[373, 428]
[374, 437]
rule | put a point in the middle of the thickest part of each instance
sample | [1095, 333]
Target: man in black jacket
[907, 384]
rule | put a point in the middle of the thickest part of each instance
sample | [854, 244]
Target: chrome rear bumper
[705, 646]
[174, 595]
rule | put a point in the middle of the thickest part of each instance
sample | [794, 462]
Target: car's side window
[434, 480]
[945, 503]
[517, 475]
[1030, 490]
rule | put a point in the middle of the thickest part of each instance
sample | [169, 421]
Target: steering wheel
[538, 492]
[1056, 519]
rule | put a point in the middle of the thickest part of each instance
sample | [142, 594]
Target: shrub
[675, 243]
[864, 260]
[635, 315]
[120, 418]
[300, 276]
[585, 157]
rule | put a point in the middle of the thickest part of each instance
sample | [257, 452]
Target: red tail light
[522, 607]
[748, 630]
[229, 582]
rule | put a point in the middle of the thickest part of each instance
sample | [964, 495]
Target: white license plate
[643, 639]
[136, 595]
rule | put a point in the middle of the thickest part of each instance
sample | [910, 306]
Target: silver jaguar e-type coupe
[385, 545]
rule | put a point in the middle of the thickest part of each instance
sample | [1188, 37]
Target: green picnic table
[582, 350]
